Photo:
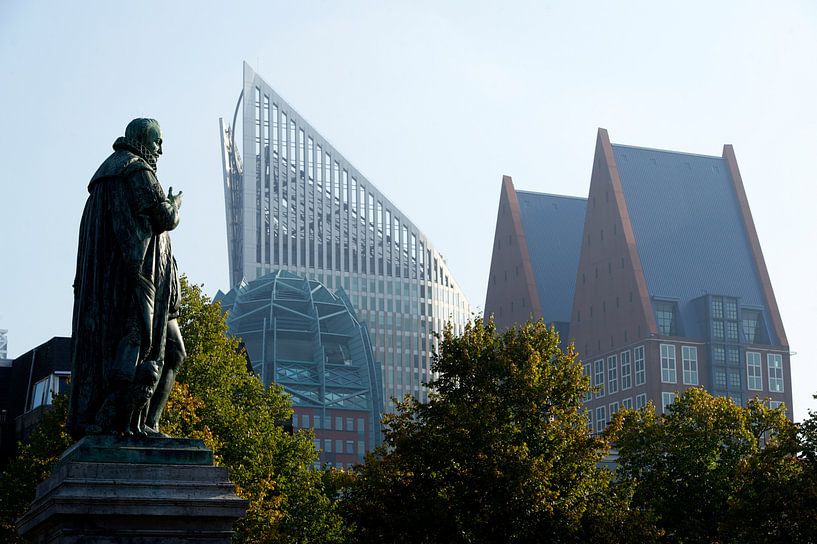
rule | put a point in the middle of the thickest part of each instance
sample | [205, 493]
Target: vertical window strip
[668, 368]
[754, 374]
[689, 360]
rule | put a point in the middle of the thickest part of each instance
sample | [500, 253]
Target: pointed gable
[512, 297]
[611, 304]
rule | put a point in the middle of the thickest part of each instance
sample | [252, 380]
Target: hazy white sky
[433, 101]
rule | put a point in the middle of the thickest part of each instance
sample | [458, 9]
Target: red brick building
[669, 287]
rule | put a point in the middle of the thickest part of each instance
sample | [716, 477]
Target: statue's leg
[174, 357]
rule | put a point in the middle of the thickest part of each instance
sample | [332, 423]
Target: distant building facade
[28, 385]
[298, 205]
[671, 289]
[308, 340]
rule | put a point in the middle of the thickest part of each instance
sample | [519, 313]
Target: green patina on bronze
[126, 344]
[143, 450]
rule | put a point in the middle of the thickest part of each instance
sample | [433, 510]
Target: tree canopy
[217, 399]
[501, 451]
[712, 471]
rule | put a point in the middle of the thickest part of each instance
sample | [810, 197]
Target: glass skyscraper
[297, 204]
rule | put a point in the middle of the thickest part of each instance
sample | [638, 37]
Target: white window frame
[599, 373]
[588, 371]
[612, 374]
[627, 403]
[669, 367]
[601, 418]
[640, 401]
[775, 372]
[614, 406]
[640, 365]
[689, 363]
[666, 396]
[754, 371]
[626, 370]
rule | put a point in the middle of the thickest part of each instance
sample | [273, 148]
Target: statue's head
[146, 134]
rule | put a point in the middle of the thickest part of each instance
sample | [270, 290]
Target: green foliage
[500, 452]
[712, 471]
[219, 400]
[32, 465]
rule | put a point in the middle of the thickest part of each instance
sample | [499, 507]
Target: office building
[296, 204]
[671, 289]
[308, 340]
[28, 385]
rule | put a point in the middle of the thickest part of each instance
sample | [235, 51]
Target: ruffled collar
[137, 149]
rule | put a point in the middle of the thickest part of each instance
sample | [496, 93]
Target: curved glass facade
[299, 205]
[303, 337]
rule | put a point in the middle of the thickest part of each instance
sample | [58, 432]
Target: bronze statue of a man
[126, 344]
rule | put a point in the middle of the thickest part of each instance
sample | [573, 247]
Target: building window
[599, 382]
[668, 370]
[666, 318]
[640, 401]
[717, 308]
[627, 403]
[626, 370]
[774, 361]
[612, 375]
[732, 356]
[732, 331]
[754, 375]
[589, 420]
[327, 446]
[46, 389]
[717, 329]
[667, 398]
[720, 378]
[752, 327]
[733, 378]
[613, 409]
[601, 418]
[587, 372]
[689, 359]
[730, 309]
[640, 368]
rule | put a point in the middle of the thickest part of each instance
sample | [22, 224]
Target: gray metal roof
[553, 226]
[688, 229]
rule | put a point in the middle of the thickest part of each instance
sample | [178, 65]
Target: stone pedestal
[107, 489]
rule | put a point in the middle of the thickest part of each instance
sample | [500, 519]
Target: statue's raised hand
[176, 199]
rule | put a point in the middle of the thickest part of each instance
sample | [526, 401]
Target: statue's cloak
[126, 284]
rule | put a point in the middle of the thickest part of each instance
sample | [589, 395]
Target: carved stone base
[134, 491]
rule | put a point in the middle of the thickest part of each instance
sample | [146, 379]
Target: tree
[31, 465]
[219, 400]
[711, 471]
[501, 451]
